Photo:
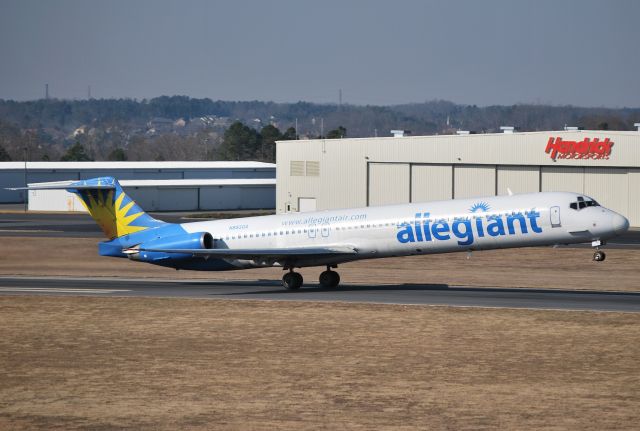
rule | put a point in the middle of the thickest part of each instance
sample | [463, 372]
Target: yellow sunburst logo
[111, 215]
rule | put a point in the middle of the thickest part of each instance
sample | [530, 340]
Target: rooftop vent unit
[400, 133]
[637, 125]
[571, 128]
[463, 132]
[507, 129]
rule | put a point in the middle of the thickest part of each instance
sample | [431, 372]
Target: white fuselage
[522, 220]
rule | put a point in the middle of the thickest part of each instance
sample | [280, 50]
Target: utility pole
[46, 91]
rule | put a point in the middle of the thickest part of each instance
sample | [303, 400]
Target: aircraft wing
[250, 253]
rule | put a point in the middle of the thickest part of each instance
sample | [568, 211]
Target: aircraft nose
[620, 224]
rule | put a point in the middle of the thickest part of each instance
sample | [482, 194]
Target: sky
[582, 52]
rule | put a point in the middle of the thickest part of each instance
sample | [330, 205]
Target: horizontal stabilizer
[67, 185]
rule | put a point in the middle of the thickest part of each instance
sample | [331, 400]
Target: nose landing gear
[598, 255]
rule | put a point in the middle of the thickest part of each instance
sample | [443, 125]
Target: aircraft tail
[115, 212]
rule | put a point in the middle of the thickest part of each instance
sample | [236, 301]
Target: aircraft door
[555, 216]
[325, 230]
[312, 231]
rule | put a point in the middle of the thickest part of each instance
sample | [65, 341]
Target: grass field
[70, 363]
[167, 364]
[560, 268]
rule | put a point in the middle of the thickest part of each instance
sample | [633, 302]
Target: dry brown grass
[562, 268]
[167, 364]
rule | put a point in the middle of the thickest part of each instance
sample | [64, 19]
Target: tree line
[204, 129]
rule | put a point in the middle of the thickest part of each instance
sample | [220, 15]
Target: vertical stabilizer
[114, 211]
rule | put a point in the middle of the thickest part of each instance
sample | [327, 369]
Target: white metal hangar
[341, 173]
[173, 195]
[17, 174]
[156, 186]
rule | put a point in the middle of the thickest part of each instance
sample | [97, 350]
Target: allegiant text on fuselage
[466, 229]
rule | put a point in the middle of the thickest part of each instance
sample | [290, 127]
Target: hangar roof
[137, 165]
[200, 182]
[194, 182]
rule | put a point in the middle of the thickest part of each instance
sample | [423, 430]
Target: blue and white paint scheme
[329, 238]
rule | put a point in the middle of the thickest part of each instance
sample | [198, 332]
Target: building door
[389, 183]
[306, 204]
[555, 217]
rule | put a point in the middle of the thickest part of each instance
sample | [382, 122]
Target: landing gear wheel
[329, 278]
[599, 256]
[292, 280]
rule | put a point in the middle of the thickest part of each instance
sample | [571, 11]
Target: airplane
[330, 238]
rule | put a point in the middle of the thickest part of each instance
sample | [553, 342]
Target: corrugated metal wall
[562, 179]
[519, 179]
[472, 181]
[389, 183]
[634, 197]
[609, 186]
[431, 183]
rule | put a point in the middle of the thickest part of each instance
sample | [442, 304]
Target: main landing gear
[329, 278]
[293, 280]
[598, 255]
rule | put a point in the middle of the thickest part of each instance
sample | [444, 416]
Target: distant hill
[182, 127]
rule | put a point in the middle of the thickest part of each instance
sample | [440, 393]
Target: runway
[413, 294]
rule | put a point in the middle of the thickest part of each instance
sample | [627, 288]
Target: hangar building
[173, 195]
[327, 174]
[156, 186]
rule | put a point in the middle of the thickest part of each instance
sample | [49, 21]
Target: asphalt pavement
[269, 290]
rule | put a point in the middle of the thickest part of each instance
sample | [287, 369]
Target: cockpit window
[582, 202]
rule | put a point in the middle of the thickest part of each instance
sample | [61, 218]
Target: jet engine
[197, 240]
